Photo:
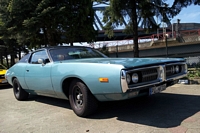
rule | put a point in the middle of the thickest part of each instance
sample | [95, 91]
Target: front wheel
[19, 93]
[81, 99]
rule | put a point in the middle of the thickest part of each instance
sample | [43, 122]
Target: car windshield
[74, 53]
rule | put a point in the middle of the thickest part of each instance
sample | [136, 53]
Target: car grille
[149, 75]
[145, 75]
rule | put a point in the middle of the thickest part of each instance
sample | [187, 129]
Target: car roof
[61, 47]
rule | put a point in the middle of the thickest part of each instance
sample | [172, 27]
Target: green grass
[193, 73]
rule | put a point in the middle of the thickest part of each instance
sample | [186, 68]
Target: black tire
[81, 99]
[19, 93]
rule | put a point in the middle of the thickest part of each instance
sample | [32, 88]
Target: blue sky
[191, 14]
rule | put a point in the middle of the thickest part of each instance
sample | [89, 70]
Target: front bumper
[162, 77]
[3, 81]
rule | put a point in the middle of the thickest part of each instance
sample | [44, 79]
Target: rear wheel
[81, 100]
[19, 93]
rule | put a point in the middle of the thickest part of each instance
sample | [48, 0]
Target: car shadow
[5, 86]
[49, 100]
[161, 110]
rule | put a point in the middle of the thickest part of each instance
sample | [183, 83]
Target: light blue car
[85, 76]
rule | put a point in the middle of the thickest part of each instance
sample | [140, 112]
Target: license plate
[157, 89]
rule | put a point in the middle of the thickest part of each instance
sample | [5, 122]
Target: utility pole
[166, 35]
[177, 27]
[117, 51]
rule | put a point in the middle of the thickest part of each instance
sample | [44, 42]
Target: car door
[38, 76]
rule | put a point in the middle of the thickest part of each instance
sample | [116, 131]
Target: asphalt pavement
[175, 110]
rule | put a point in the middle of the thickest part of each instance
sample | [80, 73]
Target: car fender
[17, 71]
[89, 73]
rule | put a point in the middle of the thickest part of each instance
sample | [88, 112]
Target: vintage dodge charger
[85, 76]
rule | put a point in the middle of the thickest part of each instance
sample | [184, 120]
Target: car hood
[2, 71]
[128, 62]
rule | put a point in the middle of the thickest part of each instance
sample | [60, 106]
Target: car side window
[25, 58]
[39, 55]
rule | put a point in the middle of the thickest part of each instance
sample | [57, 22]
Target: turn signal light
[103, 79]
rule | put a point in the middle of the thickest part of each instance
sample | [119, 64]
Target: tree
[63, 21]
[147, 9]
[49, 22]
[130, 9]
[179, 4]
[79, 21]
[11, 30]
[35, 23]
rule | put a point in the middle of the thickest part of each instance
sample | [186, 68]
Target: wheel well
[13, 79]
[66, 84]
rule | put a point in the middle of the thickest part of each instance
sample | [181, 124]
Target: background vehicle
[86, 76]
[3, 70]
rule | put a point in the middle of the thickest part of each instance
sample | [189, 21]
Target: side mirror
[41, 61]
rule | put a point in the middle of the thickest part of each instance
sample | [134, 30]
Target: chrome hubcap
[17, 88]
[78, 97]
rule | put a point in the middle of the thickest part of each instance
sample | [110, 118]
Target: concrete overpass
[182, 44]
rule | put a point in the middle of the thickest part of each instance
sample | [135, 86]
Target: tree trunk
[19, 55]
[45, 36]
[135, 29]
[1, 58]
[50, 38]
[7, 62]
[71, 43]
[12, 56]
[6, 55]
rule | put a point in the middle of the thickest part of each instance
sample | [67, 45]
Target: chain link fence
[193, 62]
[193, 70]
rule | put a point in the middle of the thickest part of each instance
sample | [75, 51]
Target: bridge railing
[190, 32]
[190, 36]
[148, 41]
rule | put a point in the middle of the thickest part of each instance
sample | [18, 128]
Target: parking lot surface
[176, 110]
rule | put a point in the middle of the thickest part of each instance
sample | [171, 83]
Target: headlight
[128, 78]
[177, 69]
[135, 78]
